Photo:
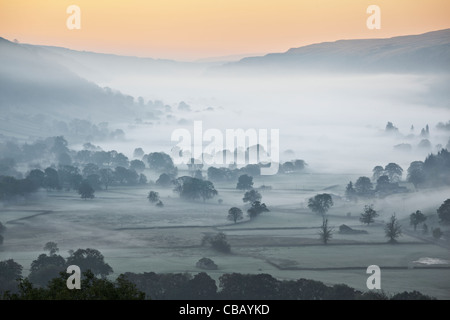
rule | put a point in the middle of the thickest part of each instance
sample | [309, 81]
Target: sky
[196, 29]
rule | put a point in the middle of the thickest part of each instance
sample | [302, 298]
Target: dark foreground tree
[90, 259]
[393, 229]
[444, 211]
[92, 288]
[369, 215]
[235, 214]
[85, 190]
[320, 203]
[325, 233]
[10, 273]
[416, 218]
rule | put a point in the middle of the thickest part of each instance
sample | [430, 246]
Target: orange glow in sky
[193, 29]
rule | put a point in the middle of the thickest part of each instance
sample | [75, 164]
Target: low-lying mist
[335, 122]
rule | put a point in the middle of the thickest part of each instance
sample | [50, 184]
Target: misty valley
[128, 168]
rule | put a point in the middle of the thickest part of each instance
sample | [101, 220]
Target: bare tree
[326, 233]
[393, 229]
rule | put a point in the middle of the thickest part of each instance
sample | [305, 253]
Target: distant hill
[102, 66]
[32, 82]
[428, 52]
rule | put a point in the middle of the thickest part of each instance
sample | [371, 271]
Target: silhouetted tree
[218, 242]
[368, 215]
[350, 191]
[252, 196]
[137, 165]
[256, 209]
[51, 247]
[153, 196]
[417, 217]
[161, 162]
[363, 186]
[89, 169]
[325, 233]
[164, 180]
[192, 188]
[437, 233]
[85, 190]
[416, 173]
[394, 172]
[51, 179]
[235, 214]
[245, 182]
[219, 174]
[106, 177]
[36, 177]
[92, 289]
[90, 259]
[45, 268]
[393, 229]
[444, 211]
[320, 203]
[10, 273]
[378, 171]
[383, 184]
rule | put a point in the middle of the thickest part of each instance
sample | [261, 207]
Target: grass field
[136, 236]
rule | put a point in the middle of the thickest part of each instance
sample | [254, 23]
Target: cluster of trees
[252, 196]
[49, 265]
[192, 188]
[217, 242]
[292, 166]
[11, 187]
[184, 286]
[166, 286]
[93, 288]
[237, 286]
[433, 172]
[386, 182]
[74, 169]
[153, 197]
[229, 174]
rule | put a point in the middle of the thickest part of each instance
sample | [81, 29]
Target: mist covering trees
[235, 214]
[416, 218]
[444, 212]
[393, 229]
[192, 189]
[320, 203]
[369, 215]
